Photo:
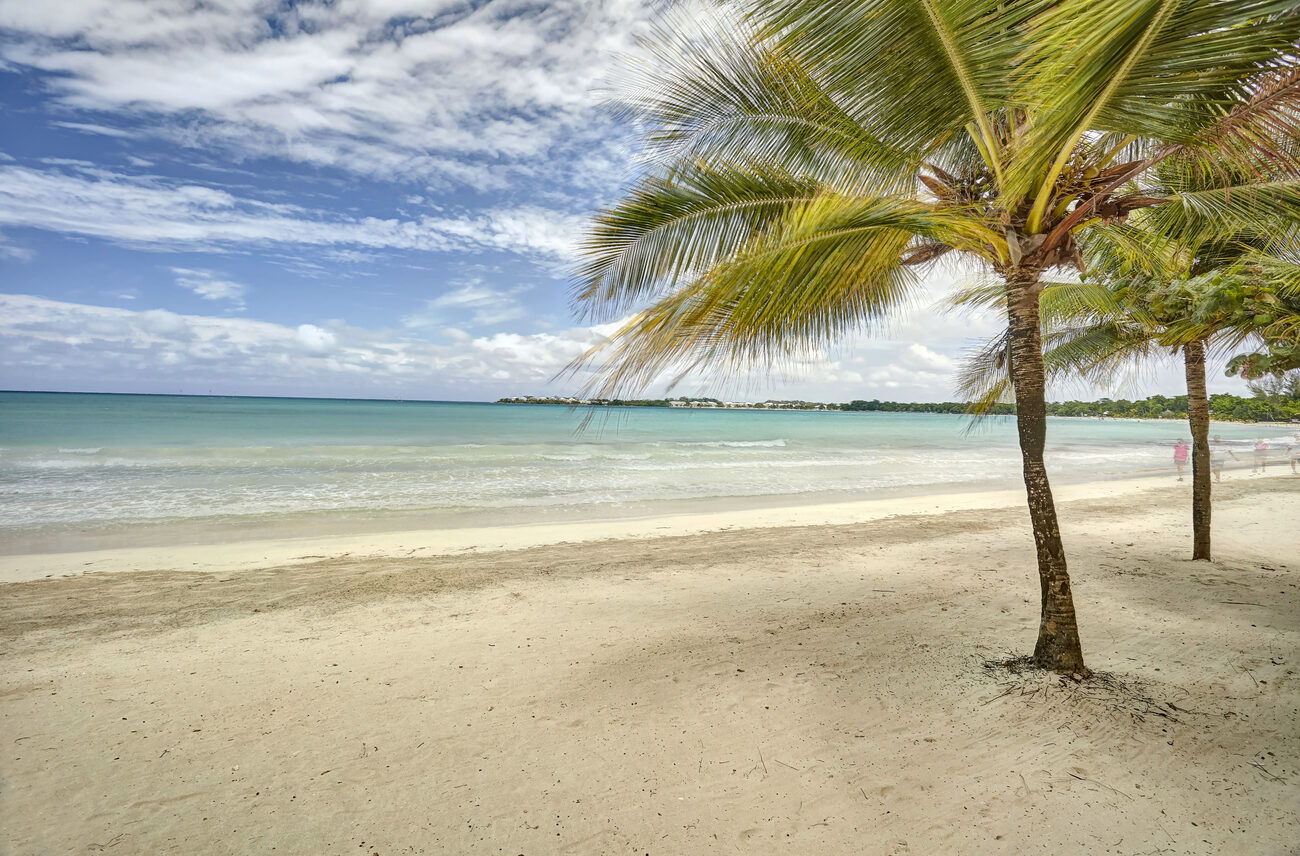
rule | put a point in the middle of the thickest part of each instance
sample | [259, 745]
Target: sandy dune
[821, 689]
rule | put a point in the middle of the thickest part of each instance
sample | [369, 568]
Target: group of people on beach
[1259, 461]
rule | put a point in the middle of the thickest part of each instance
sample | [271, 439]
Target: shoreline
[246, 554]
[830, 688]
[825, 407]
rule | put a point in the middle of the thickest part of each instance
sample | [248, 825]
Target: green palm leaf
[724, 90]
[1167, 70]
[826, 266]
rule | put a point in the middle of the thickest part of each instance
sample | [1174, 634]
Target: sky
[348, 198]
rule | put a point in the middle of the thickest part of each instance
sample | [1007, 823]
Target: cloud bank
[44, 343]
[159, 214]
[468, 93]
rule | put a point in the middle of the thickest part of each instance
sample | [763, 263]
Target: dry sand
[806, 689]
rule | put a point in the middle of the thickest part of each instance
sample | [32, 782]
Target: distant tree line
[1272, 399]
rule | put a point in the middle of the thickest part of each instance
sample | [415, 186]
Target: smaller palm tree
[1153, 289]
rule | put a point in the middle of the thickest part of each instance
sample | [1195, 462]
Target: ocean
[84, 471]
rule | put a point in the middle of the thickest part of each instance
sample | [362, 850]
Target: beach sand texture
[814, 689]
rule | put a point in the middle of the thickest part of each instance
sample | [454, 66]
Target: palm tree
[1160, 281]
[807, 160]
[1127, 310]
[1249, 297]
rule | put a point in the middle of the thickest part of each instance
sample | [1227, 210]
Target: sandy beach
[668, 687]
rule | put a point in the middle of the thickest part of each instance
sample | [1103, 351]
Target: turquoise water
[80, 470]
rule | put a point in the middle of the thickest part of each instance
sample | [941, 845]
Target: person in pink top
[1180, 457]
[1261, 456]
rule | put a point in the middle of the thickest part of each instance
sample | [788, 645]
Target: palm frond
[826, 266]
[990, 295]
[671, 226]
[1165, 70]
[983, 377]
[951, 62]
[1201, 216]
[703, 90]
[1265, 129]
[1124, 250]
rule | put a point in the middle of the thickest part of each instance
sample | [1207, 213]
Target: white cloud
[434, 90]
[91, 128]
[920, 358]
[484, 305]
[205, 284]
[316, 340]
[50, 344]
[151, 213]
[9, 250]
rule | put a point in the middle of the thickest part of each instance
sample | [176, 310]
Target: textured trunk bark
[1198, 418]
[1058, 647]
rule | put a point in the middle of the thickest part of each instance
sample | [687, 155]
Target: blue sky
[374, 198]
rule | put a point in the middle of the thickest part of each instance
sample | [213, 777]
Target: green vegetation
[1273, 400]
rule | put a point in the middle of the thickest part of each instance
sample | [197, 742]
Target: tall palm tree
[807, 160]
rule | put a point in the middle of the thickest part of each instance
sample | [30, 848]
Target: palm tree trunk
[1198, 418]
[1058, 648]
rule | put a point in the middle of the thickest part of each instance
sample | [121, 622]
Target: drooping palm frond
[824, 267]
[1128, 249]
[983, 377]
[988, 295]
[671, 226]
[1081, 337]
[1095, 352]
[1204, 215]
[1265, 128]
[1060, 303]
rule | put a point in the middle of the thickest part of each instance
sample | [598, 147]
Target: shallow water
[80, 470]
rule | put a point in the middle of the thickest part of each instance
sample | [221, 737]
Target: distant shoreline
[946, 408]
[941, 408]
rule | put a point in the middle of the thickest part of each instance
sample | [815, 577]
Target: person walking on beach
[1261, 456]
[1293, 452]
[1180, 457]
[1216, 457]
